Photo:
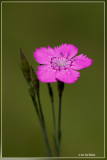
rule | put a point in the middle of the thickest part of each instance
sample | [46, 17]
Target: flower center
[59, 63]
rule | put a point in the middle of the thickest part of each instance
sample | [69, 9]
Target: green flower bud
[35, 81]
[32, 92]
[25, 66]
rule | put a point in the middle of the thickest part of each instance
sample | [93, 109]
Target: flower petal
[43, 55]
[80, 62]
[68, 50]
[46, 74]
[67, 76]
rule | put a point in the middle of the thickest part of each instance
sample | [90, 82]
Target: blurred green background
[34, 25]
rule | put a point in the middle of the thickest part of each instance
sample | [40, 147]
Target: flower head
[60, 63]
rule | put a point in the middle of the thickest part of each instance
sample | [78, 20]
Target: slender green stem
[40, 107]
[36, 107]
[54, 128]
[43, 130]
[45, 138]
[53, 117]
[59, 124]
[60, 86]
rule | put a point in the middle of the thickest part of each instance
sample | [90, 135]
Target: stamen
[60, 63]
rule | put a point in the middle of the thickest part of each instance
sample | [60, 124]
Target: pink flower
[59, 63]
